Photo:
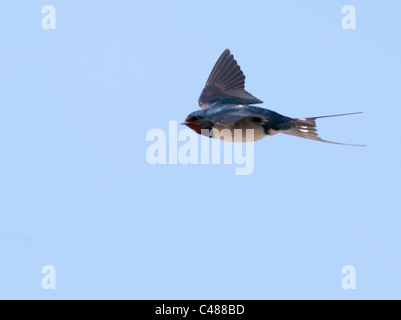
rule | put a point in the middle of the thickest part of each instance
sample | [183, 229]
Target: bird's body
[237, 117]
[227, 110]
[242, 125]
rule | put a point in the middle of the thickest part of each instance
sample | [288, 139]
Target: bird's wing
[232, 115]
[226, 83]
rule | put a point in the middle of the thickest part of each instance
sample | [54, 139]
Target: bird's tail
[306, 128]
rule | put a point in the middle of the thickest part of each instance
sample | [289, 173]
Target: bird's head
[198, 121]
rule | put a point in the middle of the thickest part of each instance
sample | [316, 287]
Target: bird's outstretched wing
[226, 84]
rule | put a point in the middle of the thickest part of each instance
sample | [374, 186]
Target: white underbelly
[242, 131]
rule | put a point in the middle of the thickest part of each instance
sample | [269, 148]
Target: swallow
[226, 104]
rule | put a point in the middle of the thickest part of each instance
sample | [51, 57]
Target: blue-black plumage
[227, 105]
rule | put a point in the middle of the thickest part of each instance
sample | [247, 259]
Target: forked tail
[306, 128]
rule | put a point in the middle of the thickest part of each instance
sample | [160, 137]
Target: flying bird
[227, 105]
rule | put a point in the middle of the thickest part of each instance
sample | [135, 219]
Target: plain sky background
[76, 191]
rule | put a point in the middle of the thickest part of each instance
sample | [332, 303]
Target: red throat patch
[197, 127]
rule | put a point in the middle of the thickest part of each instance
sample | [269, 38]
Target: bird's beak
[185, 123]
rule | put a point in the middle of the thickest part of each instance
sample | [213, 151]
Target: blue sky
[77, 192]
